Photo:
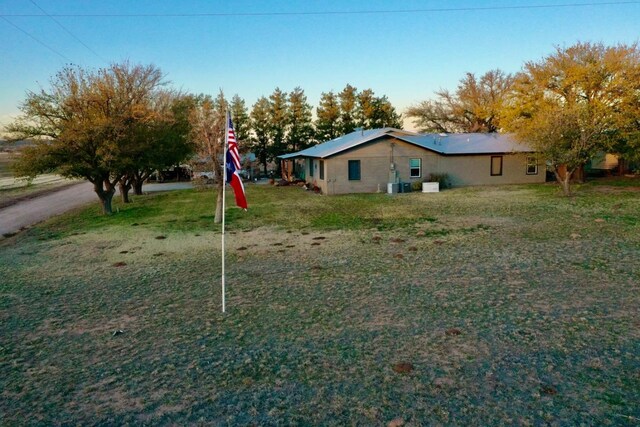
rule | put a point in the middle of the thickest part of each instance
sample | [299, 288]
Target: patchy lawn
[483, 306]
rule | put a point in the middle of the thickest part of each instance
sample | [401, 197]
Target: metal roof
[468, 143]
[446, 144]
[342, 143]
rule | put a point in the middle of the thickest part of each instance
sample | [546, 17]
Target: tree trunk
[105, 196]
[124, 185]
[564, 181]
[566, 185]
[622, 166]
[138, 179]
[218, 216]
[579, 174]
[137, 187]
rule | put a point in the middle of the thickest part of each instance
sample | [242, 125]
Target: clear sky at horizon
[254, 49]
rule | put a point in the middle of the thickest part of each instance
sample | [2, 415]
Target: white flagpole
[224, 186]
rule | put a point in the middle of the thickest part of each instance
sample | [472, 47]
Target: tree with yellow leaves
[575, 103]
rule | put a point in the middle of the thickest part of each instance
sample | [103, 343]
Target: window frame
[321, 169]
[349, 175]
[419, 168]
[499, 173]
[310, 167]
[531, 161]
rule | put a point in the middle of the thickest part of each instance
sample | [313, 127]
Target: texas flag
[233, 167]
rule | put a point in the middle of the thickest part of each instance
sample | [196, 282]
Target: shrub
[416, 186]
[441, 178]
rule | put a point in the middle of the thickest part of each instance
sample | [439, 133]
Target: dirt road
[33, 211]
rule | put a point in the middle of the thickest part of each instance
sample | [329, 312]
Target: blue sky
[406, 56]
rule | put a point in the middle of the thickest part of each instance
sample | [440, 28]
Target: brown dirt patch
[610, 189]
[403, 367]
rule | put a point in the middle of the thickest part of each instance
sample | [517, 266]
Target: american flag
[233, 166]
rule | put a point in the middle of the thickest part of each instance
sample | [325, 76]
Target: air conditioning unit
[393, 188]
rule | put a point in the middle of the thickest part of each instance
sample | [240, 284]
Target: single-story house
[367, 160]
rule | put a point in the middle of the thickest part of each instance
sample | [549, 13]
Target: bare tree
[475, 106]
[208, 125]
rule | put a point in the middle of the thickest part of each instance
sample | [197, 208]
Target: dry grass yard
[478, 306]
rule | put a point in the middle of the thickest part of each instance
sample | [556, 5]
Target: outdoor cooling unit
[393, 188]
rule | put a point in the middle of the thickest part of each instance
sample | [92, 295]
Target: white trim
[419, 159]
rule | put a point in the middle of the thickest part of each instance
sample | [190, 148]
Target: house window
[310, 167]
[415, 168]
[532, 165]
[496, 165]
[322, 169]
[354, 170]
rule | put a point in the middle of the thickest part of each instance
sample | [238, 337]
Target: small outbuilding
[366, 161]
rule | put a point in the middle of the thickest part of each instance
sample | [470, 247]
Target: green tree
[279, 121]
[383, 114]
[365, 109]
[574, 103]
[241, 119]
[158, 143]
[328, 124]
[85, 124]
[475, 106]
[301, 133]
[374, 112]
[261, 125]
[348, 109]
